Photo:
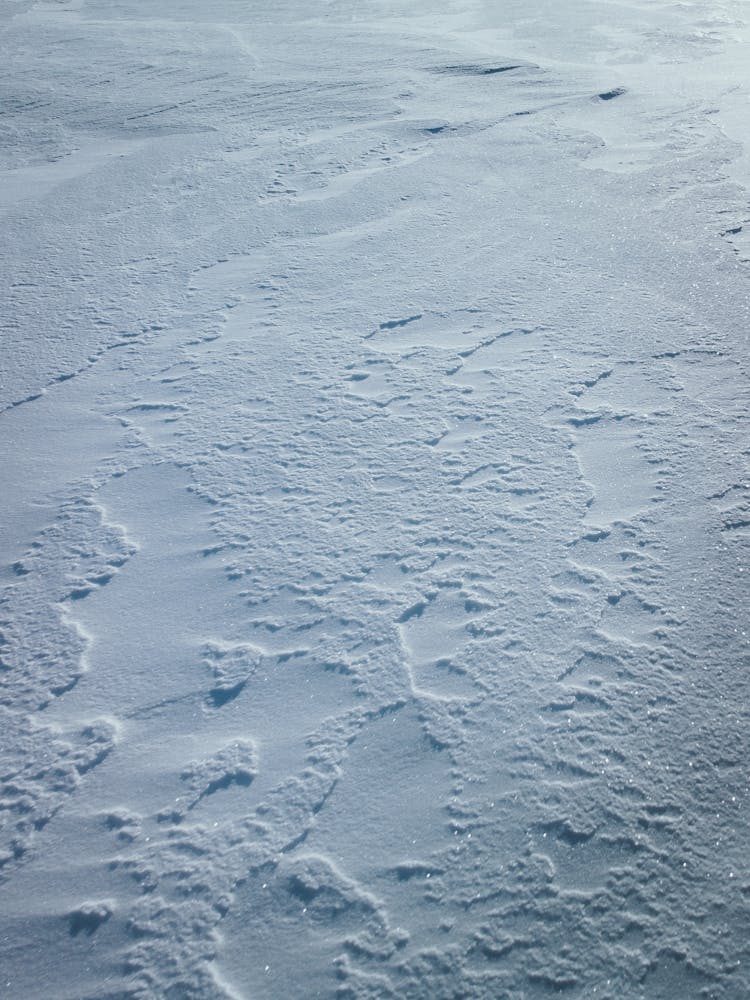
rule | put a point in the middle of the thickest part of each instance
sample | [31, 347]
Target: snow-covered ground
[375, 495]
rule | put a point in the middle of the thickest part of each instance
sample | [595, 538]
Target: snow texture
[376, 500]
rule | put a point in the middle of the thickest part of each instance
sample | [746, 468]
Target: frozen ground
[375, 500]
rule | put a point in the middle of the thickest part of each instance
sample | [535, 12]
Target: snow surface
[374, 516]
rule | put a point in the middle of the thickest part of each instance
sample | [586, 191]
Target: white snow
[374, 522]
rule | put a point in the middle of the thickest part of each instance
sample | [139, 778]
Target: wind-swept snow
[375, 512]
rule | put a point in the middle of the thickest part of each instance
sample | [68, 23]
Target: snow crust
[374, 522]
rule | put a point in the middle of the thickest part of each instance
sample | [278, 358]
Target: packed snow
[375, 510]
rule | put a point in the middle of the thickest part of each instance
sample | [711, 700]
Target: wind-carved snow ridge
[376, 506]
[44, 652]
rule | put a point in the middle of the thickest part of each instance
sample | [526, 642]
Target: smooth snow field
[374, 500]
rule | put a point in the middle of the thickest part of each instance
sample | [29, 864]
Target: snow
[374, 520]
